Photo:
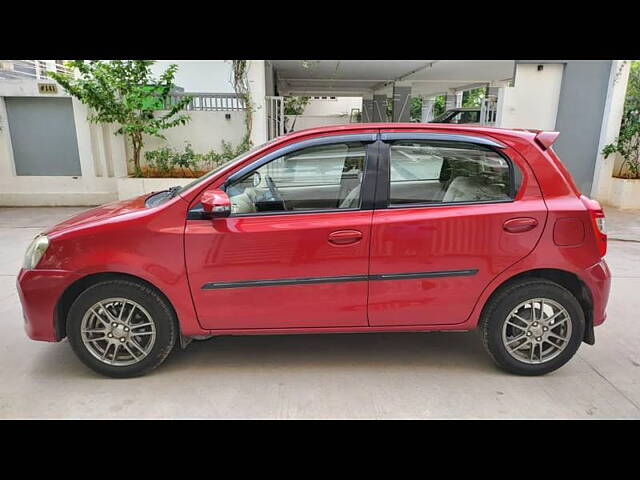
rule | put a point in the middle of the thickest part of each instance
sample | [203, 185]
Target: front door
[455, 215]
[294, 252]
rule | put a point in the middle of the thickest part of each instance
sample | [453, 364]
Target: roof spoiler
[546, 139]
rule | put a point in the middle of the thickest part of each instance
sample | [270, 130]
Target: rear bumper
[39, 292]
[598, 279]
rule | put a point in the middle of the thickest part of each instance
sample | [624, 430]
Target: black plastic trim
[442, 136]
[368, 185]
[441, 273]
[345, 278]
[382, 179]
[294, 212]
[447, 204]
[284, 281]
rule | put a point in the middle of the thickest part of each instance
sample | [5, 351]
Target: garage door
[43, 136]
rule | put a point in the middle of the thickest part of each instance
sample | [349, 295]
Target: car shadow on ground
[435, 351]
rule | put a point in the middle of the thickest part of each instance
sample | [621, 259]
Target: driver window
[325, 177]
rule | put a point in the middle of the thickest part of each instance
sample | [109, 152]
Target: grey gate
[43, 136]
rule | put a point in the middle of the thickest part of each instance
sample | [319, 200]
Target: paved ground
[434, 375]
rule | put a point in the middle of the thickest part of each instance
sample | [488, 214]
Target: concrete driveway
[432, 375]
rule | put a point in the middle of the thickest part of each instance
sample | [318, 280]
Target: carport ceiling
[361, 77]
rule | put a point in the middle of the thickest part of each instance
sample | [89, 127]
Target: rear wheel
[121, 328]
[532, 327]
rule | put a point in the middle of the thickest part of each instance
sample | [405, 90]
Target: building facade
[51, 155]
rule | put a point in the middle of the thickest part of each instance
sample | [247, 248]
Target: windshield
[221, 166]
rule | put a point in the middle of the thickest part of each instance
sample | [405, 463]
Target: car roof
[528, 134]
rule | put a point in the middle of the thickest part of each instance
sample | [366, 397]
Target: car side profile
[351, 228]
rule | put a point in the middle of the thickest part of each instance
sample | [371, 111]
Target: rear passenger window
[447, 172]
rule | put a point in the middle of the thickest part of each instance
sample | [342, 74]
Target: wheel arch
[76, 288]
[566, 279]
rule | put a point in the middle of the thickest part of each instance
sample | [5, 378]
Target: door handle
[520, 225]
[345, 237]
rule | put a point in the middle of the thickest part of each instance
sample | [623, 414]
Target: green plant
[628, 142]
[160, 160]
[126, 93]
[415, 111]
[416, 107]
[166, 161]
[295, 105]
[473, 98]
[187, 160]
[439, 105]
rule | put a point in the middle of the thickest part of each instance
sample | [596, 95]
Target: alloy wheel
[537, 330]
[118, 331]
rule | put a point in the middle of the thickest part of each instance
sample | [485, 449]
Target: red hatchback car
[352, 228]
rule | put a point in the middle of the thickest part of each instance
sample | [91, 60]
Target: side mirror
[216, 203]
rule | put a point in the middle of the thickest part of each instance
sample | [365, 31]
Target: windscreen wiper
[173, 191]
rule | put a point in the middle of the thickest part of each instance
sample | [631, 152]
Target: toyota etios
[352, 228]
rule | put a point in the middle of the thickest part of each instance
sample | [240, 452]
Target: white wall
[339, 106]
[103, 155]
[257, 78]
[533, 100]
[102, 158]
[311, 121]
[201, 76]
[602, 187]
[205, 132]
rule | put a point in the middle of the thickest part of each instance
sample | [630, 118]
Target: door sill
[360, 329]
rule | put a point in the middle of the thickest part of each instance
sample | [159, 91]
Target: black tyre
[532, 327]
[121, 328]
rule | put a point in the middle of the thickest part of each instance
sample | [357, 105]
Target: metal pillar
[450, 101]
[380, 108]
[427, 109]
[367, 110]
[401, 104]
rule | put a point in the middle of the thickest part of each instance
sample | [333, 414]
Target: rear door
[452, 212]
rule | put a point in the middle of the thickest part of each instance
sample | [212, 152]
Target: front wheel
[121, 328]
[532, 327]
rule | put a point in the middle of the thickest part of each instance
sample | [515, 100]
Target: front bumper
[39, 292]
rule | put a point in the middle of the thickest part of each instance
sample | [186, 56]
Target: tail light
[597, 222]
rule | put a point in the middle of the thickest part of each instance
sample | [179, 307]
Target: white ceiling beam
[424, 67]
[407, 74]
[319, 92]
[293, 79]
[471, 86]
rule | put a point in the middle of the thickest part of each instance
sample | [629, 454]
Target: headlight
[35, 251]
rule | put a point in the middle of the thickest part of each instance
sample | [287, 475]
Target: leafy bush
[295, 105]
[628, 142]
[168, 162]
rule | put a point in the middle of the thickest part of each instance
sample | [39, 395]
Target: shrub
[167, 162]
[628, 142]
